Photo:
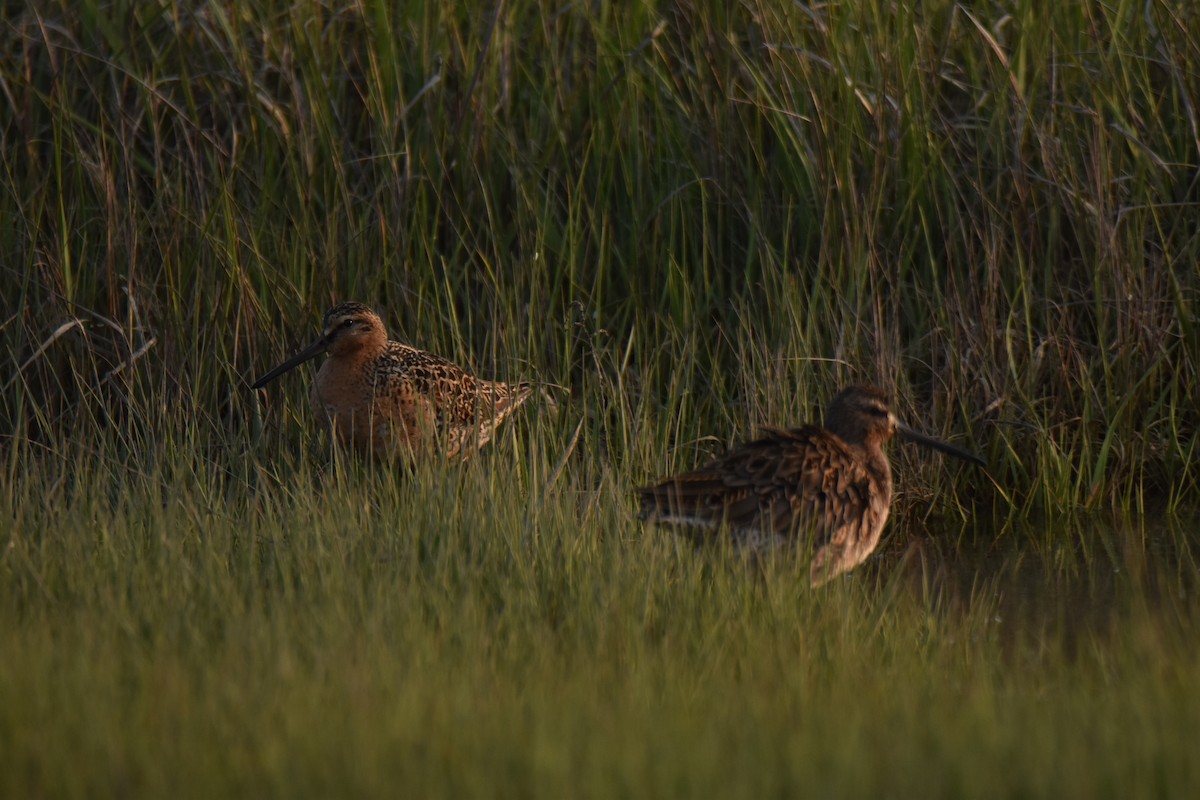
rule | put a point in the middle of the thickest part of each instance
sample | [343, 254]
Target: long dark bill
[938, 444]
[312, 351]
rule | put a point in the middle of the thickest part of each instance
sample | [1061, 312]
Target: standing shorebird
[832, 483]
[384, 397]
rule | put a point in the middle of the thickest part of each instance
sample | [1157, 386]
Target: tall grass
[987, 213]
[696, 218]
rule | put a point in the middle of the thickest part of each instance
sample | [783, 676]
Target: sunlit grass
[340, 631]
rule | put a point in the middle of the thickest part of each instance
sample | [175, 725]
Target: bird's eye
[347, 323]
[876, 411]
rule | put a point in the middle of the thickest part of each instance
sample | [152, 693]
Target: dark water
[1066, 580]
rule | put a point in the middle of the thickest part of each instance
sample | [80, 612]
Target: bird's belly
[372, 425]
[850, 544]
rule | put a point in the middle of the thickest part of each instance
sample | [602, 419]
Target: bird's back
[422, 396]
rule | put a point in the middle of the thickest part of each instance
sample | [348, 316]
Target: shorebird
[830, 483]
[383, 397]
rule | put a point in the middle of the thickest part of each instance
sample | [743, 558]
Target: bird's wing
[774, 484]
[425, 392]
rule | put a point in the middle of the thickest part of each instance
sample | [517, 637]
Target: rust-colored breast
[408, 402]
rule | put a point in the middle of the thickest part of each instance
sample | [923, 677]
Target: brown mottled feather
[385, 397]
[828, 486]
[776, 488]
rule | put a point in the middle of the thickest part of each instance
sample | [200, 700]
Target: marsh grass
[694, 220]
[338, 631]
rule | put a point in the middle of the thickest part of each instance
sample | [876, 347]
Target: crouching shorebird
[383, 397]
[832, 483]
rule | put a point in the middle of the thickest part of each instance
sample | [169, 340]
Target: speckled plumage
[831, 484]
[384, 397]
